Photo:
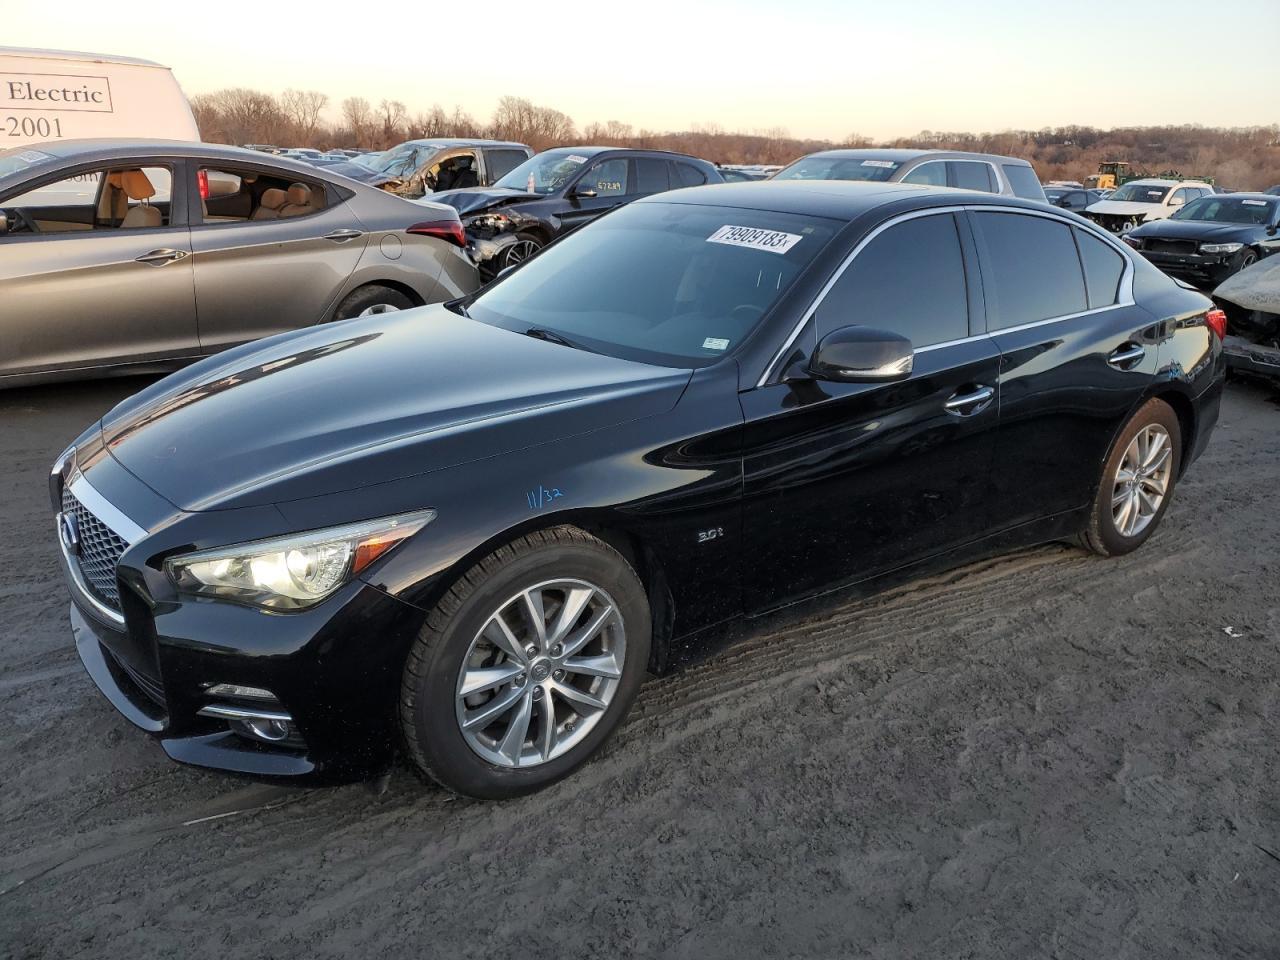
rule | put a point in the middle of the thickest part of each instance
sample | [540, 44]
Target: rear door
[499, 161]
[1076, 356]
[83, 289]
[847, 480]
[258, 277]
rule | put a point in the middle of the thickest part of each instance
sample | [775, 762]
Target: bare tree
[519, 119]
[358, 115]
[303, 108]
[393, 115]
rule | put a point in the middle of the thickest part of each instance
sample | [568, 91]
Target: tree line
[1245, 158]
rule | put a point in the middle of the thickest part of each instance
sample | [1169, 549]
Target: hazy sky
[817, 68]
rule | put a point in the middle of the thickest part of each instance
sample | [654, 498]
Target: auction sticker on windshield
[772, 241]
[878, 163]
[574, 158]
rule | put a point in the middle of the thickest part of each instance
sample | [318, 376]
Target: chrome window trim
[1001, 182]
[1124, 293]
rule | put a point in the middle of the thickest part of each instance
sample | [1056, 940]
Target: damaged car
[1139, 201]
[1212, 238]
[418, 167]
[558, 190]
[1251, 301]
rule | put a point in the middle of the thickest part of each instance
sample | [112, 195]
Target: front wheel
[526, 666]
[526, 245]
[1137, 481]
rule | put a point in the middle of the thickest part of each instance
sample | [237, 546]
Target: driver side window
[129, 198]
[608, 178]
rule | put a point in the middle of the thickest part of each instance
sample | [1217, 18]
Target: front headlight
[1220, 247]
[291, 572]
[496, 222]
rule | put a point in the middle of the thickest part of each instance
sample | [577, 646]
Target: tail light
[202, 178]
[449, 230]
[1216, 321]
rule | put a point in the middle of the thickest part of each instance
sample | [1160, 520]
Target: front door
[847, 480]
[610, 180]
[93, 276]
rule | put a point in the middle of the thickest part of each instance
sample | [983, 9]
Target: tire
[526, 245]
[498, 758]
[1112, 531]
[372, 298]
[1247, 260]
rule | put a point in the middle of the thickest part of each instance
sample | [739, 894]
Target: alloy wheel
[540, 673]
[520, 251]
[1142, 480]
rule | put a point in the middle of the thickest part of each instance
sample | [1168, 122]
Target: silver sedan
[126, 256]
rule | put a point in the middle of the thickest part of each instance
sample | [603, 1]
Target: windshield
[667, 283]
[1140, 193]
[402, 160]
[839, 168]
[18, 160]
[545, 173]
[1228, 210]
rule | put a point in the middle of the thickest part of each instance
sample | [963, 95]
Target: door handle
[343, 235]
[158, 258]
[1125, 357]
[967, 404]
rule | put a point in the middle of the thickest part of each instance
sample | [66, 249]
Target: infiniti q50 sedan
[120, 256]
[470, 530]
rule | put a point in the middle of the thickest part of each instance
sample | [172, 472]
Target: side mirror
[862, 355]
[4, 222]
[582, 190]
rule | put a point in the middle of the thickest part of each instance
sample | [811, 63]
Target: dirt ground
[1042, 755]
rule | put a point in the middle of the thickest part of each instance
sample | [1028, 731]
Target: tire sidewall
[524, 236]
[367, 296]
[448, 757]
[1153, 411]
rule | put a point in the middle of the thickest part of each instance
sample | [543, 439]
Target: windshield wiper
[541, 333]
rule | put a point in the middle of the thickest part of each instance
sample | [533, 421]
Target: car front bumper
[334, 671]
[1247, 357]
[1204, 268]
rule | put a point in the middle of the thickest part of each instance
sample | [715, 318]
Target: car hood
[1127, 208]
[366, 401]
[1201, 230]
[1254, 288]
[473, 200]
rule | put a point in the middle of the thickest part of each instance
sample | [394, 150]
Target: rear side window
[932, 174]
[1103, 268]
[971, 175]
[687, 175]
[502, 162]
[651, 175]
[1024, 181]
[909, 280]
[1035, 270]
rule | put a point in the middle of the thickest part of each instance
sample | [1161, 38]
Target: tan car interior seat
[270, 204]
[300, 203]
[137, 186]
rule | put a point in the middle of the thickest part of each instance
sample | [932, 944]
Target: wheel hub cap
[540, 673]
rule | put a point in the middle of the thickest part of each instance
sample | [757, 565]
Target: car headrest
[300, 194]
[135, 184]
[274, 198]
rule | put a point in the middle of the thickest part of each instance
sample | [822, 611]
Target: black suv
[561, 189]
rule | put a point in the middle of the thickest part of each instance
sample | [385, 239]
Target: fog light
[236, 690]
[263, 729]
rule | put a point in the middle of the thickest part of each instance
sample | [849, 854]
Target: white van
[59, 95]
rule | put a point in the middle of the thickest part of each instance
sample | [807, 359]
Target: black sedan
[559, 190]
[1075, 199]
[1212, 238]
[472, 528]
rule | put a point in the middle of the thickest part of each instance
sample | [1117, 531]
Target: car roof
[1248, 195]
[902, 156]
[458, 142]
[833, 199]
[108, 150]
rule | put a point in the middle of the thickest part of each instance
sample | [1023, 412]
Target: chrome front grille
[98, 552]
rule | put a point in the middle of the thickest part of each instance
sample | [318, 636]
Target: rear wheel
[526, 666]
[371, 299]
[1137, 481]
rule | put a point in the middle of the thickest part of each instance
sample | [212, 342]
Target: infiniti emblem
[69, 530]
